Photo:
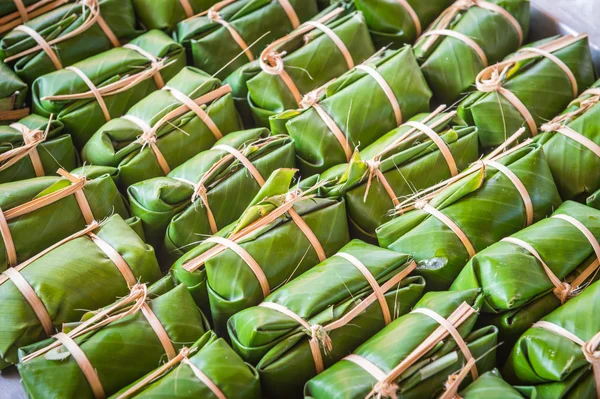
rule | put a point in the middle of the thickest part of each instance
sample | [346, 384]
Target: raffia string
[31, 139]
[413, 15]
[197, 109]
[14, 114]
[589, 348]
[387, 90]
[159, 330]
[319, 335]
[156, 63]
[214, 16]
[88, 82]
[187, 8]
[454, 381]
[463, 38]
[490, 79]
[17, 18]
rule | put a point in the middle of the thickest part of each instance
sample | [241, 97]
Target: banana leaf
[177, 132]
[280, 346]
[74, 34]
[61, 280]
[391, 24]
[209, 40]
[34, 228]
[164, 15]
[575, 180]
[450, 64]
[173, 213]
[360, 108]
[272, 239]
[425, 377]
[490, 386]
[517, 290]
[264, 94]
[54, 149]
[13, 94]
[120, 351]
[483, 203]
[544, 364]
[123, 75]
[594, 200]
[541, 87]
[408, 160]
[216, 360]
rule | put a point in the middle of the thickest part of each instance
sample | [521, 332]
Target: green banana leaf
[83, 115]
[215, 359]
[36, 230]
[56, 29]
[529, 80]
[546, 365]
[490, 386]
[280, 248]
[173, 214]
[61, 279]
[516, 288]
[164, 15]
[120, 352]
[389, 347]
[55, 151]
[391, 24]
[265, 95]
[117, 143]
[280, 346]
[210, 45]
[413, 163]
[13, 94]
[575, 180]
[450, 65]
[359, 107]
[484, 204]
[594, 200]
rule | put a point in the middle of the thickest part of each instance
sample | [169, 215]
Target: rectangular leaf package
[14, 13]
[164, 15]
[13, 94]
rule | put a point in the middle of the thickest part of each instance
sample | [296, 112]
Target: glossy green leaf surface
[164, 15]
[13, 91]
[594, 200]
[490, 386]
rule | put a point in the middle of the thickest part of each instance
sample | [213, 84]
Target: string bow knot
[274, 62]
[318, 333]
[385, 389]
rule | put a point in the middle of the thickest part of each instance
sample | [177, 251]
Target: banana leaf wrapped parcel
[358, 107]
[87, 270]
[415, 354]
[395, 23]
[324, 314]
[558, 356]
[66, 35]
[234, 32]
[449, 223]
[93, 91]
[14, 13]
[514, 92]
[113, 346]
[575, 135]
[209, 191]
[293, 65]
[530, 273]
[490, 385]
[466, 38]
[429, 148]
[164, 15]
[33, 147]
[13, 94]
[166, 128]
[41, 211]
[208, 368]
[281, 235]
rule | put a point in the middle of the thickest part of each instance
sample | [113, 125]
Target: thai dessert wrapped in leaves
[514, 92]
[33, 147]
[209, 368]
[164, 15]
[427, 149]
[67, 34]
[558, 356]
[395, 23]
[575, 135]
[15, 13]
[87, 270]
[529, 274]
[165, 129]
[446, 225]
[113, 346]
[13, 94]
[91, 92]
[321, 316]
[414, 355]
[280, 236]
[209, 191]
[466, 38]
[295, 64]
[234, 32]
[39, 212]
[355, 109]
[489, 385]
